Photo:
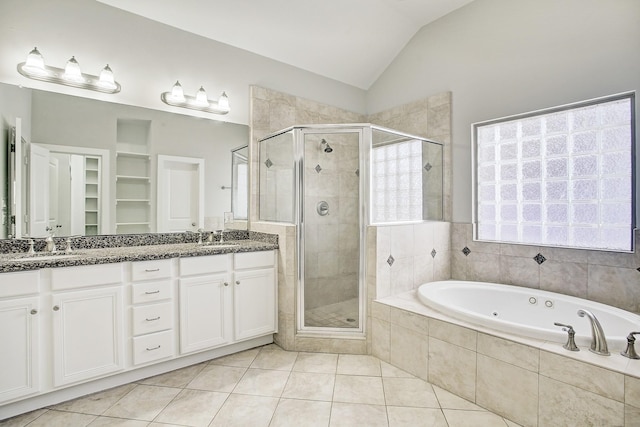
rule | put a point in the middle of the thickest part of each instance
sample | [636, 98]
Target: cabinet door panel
[87, 334]
[254, 303]
[19, 338]
[204, 318]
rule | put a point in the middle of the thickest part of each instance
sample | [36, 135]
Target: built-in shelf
[133, 201]
[92, 193]
[133, 176]
[134, 155]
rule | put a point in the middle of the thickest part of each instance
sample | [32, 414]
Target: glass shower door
[331, 230]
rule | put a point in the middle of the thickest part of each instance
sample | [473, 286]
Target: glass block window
[397, 182]
[559, 177]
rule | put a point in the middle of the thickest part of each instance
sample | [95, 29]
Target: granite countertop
[10, 262]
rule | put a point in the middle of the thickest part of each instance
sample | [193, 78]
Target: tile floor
[268, 386]
[339, 315]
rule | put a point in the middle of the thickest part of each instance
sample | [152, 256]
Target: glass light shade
[106, 78]
[177, 94]
[35, 62]
[72, 71]
[201, 98]
[223, 102]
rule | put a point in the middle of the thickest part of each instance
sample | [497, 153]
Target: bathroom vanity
[76, 324]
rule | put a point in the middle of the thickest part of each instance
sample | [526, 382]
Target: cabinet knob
[237, 282]
[226, 283]
[56, 308]
[34, 311]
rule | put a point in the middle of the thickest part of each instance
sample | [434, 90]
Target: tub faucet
[630, 351]
[598, 340]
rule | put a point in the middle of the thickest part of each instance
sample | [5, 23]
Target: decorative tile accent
[390, 260]
[268, 163]
[428, 167]
[466, 251]
[318, 168]
[357, 172]
[433, 253]
[539, 259]
[638, 268]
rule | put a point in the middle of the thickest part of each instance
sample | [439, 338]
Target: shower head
[325, 146]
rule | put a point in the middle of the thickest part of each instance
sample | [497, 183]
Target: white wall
[147, 57]
[502, 57]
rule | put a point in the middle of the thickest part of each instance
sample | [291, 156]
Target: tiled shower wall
[333, 240]
[270, 112]
[430, 118]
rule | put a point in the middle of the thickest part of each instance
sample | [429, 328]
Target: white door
[180, 193]
[87, 334]
[205, 312]
[254, 293]
[39, 174]
[19, 338]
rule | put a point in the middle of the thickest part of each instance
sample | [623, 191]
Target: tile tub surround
[119, 248]
[531, 382]
[267, 386]
[607, 277]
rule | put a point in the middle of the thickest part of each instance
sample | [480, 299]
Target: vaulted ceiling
[352, 41]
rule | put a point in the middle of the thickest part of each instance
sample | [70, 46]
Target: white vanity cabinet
[69, 331]
[226, 298]
[254, 294]
[205, 302]
[87, 322]
[152, 318]
[19, 335]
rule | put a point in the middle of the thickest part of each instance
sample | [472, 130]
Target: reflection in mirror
[68, 187]
[132, 138]
[240, 182]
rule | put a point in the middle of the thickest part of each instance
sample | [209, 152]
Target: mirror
[240, 183]
[116, 149]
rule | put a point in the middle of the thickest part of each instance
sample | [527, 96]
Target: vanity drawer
[19, 283]
[254, 259]
[148, 348]
[152, 318]
[150, 291]
[147, 270]
[204, 264]
[89, 275]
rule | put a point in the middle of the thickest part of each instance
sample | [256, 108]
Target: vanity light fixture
[200, 102]
[35, 68]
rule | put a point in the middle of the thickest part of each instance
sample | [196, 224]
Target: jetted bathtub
[527, 312]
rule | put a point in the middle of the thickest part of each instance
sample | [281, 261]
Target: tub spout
[598, 340]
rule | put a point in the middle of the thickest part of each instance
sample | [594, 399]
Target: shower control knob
[322, 208]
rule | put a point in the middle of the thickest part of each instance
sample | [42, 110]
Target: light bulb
[72, 71]
[35, 62]
[177, 94]
[106, 78]
[201, 98]
[223, 102]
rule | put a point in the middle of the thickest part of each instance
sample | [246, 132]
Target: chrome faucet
[51, 244]
[598, 340]
[630, 351]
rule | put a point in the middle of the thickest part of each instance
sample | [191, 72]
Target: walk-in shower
[331, 181]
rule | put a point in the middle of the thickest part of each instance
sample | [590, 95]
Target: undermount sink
[47, 257]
